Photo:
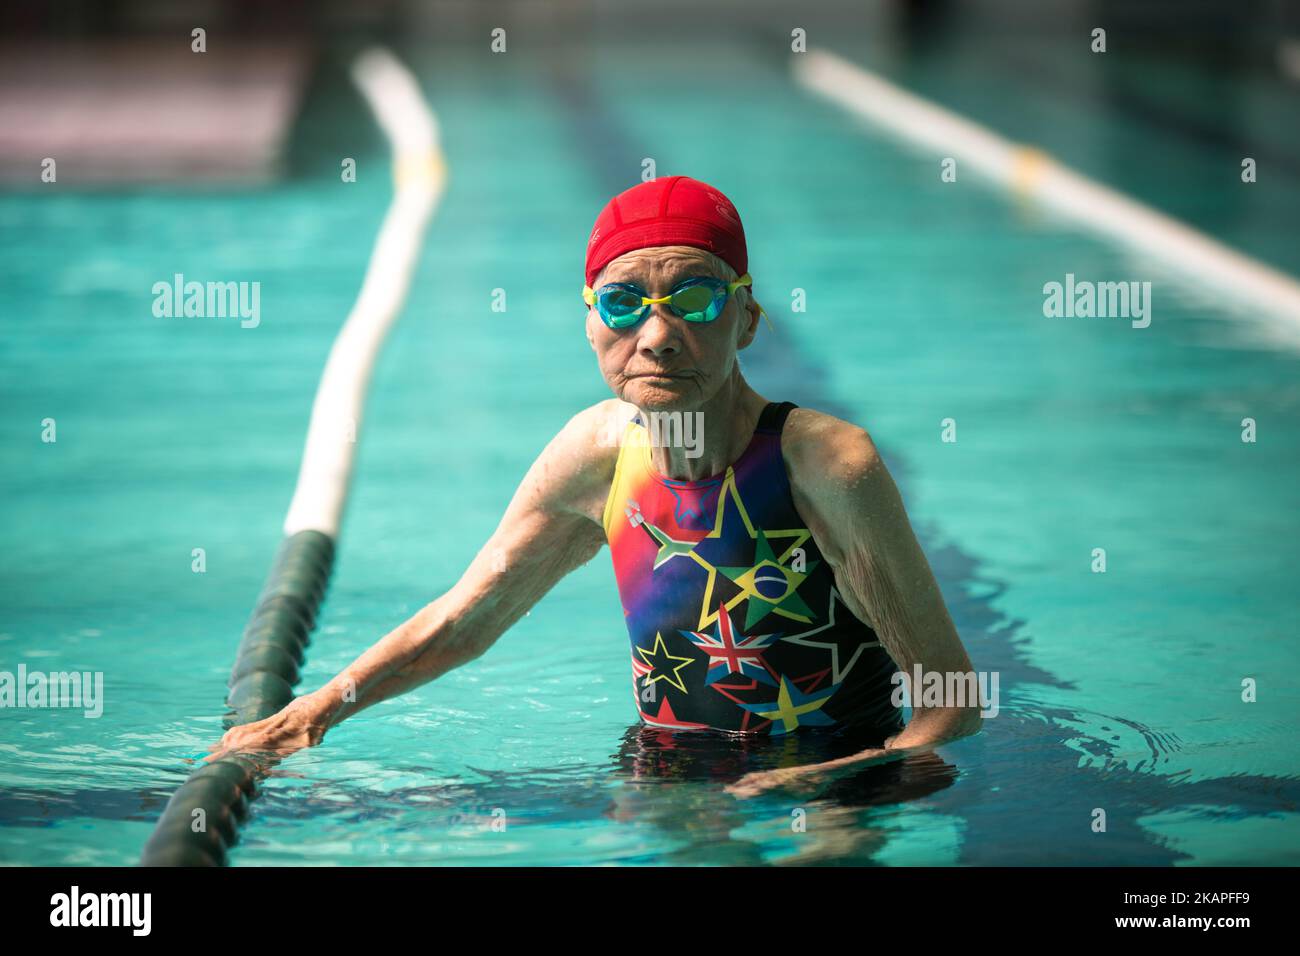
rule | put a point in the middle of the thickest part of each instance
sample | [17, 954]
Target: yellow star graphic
[659, 649]
[709, 610]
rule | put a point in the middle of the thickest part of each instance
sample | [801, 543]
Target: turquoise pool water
[1120, 691]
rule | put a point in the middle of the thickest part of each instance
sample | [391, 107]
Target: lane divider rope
[202, 819]
[1237, 279]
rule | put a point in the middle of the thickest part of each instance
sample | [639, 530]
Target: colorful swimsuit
[733, 613]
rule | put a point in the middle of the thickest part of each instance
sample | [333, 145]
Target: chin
[662, 396]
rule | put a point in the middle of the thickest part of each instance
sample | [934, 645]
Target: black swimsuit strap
[772, 419]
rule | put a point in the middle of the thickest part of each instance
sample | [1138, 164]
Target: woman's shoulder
[819, 447]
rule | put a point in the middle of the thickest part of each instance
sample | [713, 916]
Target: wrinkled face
[665, 363]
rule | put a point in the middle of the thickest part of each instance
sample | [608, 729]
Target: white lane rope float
[1237, 279]
[201, 821]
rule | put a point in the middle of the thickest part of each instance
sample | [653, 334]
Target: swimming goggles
[699, 299]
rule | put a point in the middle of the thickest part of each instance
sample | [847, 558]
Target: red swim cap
[673, 211]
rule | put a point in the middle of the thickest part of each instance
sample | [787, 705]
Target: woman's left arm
[845, 493]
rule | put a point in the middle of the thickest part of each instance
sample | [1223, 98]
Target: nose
[659, 333]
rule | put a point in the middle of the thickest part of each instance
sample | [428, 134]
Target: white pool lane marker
[1028, 172]
[419, 177]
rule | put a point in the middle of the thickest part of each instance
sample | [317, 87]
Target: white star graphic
[837, 675]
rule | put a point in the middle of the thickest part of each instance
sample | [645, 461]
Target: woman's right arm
[551, 527]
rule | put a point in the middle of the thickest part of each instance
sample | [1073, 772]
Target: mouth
[660, 375]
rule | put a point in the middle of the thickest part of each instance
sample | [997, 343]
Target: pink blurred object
[112, 112]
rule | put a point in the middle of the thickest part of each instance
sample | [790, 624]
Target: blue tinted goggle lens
[697, 300]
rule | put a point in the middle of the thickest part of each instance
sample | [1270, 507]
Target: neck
[701, 442]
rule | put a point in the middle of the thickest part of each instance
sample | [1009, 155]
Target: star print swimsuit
[733, 614]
